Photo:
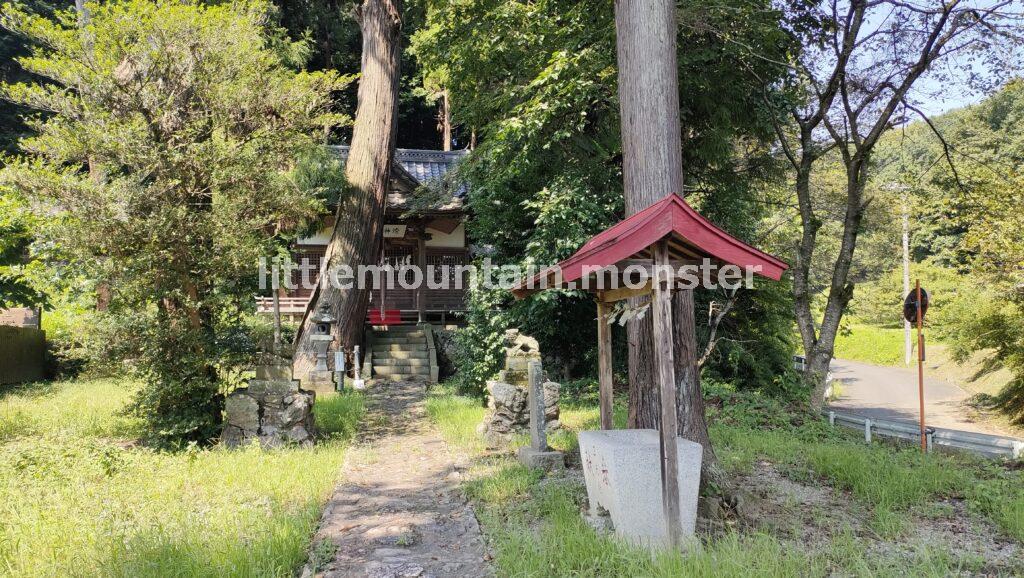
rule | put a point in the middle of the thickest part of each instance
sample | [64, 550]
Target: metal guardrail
[938, 438]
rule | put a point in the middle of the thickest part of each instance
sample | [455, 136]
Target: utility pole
[908, 348]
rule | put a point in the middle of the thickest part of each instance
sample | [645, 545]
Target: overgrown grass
[536, 528]
[78, 498]
[90, 409]
[870, 344]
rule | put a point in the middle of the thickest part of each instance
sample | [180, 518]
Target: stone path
[399, 510]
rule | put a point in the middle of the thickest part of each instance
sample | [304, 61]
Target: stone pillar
[538, 454]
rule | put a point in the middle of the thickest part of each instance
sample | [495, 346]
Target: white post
[357, 382]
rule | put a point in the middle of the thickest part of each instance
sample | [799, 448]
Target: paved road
[891, 393]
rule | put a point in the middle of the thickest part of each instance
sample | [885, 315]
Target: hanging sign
[394, 231]
[910, 305]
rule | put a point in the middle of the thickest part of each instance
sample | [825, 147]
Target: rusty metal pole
[920, 366]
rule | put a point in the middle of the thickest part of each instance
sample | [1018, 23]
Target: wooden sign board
[394, 231]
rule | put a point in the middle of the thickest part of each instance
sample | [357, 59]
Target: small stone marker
[339, 370]
[538, 454]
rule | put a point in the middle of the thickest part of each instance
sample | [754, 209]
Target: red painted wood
[390, 317]
[671, 216]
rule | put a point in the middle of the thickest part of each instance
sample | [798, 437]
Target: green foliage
[16, 235]
[163, 171]
[537, 82]
[479, 347]
[966, 228]
[78, 498]
[12, 46]
[880, 302]
[338, 416]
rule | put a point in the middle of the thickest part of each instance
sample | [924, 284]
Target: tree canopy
[161, 153]
[536, 81]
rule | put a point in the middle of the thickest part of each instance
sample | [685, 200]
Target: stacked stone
[508, 396]
[509, 412]
[274, 411]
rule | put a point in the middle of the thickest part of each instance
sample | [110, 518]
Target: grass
[79, 498]
[870, 344]
[535, 526]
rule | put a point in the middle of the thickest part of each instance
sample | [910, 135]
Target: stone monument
[538, 454]
[508, 412]
[520, 350]
[271, 409]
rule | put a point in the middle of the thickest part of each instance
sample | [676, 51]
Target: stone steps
[403, 362]
[418, 334]
[388, 340]
[421, 346]
[392, 371]
[400, 353]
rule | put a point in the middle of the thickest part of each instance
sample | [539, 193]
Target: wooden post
[277, 321]
[604, 364]
[920, 366]
[664, 369]
[421, 262]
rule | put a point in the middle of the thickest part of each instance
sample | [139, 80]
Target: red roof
[691, 237]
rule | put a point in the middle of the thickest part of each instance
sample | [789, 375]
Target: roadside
[816, 501]
[891, 393]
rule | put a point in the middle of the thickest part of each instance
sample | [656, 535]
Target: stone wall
[275, 412]
[22, 354]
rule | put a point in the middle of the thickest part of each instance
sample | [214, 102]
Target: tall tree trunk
[356, 239]
[445, 121]
[819, 343]
[653, 167]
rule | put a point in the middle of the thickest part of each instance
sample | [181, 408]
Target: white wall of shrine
[456, 238]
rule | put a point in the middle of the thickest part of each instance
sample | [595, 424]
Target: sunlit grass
[870, 344]
[86, 408]
[535, 526]
[76, 500]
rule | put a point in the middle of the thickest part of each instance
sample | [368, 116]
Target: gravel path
[399, 511]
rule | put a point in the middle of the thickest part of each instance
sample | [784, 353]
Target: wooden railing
[289, 305]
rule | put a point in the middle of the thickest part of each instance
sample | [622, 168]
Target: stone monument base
[319, 381]
[275, 412]
[622, 470]
[548, 460]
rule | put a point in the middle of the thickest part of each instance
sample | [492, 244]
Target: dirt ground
[812, 514]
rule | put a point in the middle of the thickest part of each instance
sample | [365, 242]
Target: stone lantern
[320, 378]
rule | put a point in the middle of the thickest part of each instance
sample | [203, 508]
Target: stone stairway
[401, 353]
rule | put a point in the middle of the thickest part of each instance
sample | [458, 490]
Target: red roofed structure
[662, 240]
[690, 237]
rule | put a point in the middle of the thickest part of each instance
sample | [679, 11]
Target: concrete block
[623, 476]
[545, 460]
